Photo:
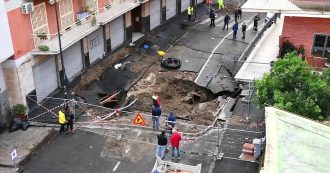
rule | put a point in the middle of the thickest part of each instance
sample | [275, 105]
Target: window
[321, 46]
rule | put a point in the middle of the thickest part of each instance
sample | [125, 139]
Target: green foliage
[287, 47]
[294, 87]
[19, 109]
[43, 48]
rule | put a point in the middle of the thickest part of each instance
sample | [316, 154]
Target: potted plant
[20, 119]
[19, 110]
[43, 48]
[42, 36]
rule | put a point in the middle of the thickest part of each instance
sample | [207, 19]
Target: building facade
[313, 34]
[89, 31]
[6, 51]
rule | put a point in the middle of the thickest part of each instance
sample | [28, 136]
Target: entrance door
[45, 78]
[136, 19]
[184, 5]
[117, 32]
[170, 8]
[95, 45]
[73, 61]
[154, 13]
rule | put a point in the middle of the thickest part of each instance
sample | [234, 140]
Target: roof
[288, 6]
[295, 144]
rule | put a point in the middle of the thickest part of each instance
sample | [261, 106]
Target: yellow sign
[138, 120]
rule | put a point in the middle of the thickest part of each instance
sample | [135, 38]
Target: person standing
[244, 26]
[171, 120]
[156, 112]
[61, 120]
[236, 15]
[240, 13]
[255, 22]
[226, 21]
[175, 144]
[190, 12]
[235, 29]
[212, 17]
[161, 145]
[70, 118]
[221, 4]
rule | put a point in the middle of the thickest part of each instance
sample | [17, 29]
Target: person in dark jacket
[171, 120]
[236, 13]
[240, 13]
[70, 119]
[212, 17]
[255, 22]
[161, 145]
[226, 21]
[244, 26]
[156, 112]
[235, 29]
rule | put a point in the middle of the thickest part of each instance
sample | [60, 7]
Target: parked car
[269, 16]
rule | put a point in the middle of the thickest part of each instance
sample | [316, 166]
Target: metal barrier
[253, 43]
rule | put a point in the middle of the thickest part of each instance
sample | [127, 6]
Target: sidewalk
[25, 142]
[258, 62]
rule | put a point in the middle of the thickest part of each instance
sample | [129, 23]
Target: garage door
[170, 8]
[154, 14]
[95, 45]
[73, 62]
[2, 81]
[184, 5]
[45, 78]
[117, 32]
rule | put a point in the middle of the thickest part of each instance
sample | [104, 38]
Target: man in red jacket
[175, 143]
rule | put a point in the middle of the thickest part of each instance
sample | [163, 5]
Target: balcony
[80, 29]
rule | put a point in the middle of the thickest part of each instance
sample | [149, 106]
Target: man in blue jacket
[235, 29]
[156, 112]
[226, 22]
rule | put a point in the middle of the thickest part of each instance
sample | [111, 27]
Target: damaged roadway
[193, 49]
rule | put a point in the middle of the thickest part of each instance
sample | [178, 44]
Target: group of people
[66, 117]
[235, 27]
[173, 135]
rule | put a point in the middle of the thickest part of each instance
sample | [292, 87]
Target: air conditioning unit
[27, 7]
[51, 2]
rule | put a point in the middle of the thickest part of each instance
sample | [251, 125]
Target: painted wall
[6, 48]
[301, 30]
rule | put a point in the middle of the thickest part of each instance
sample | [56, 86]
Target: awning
[288, 6]
[295, 144]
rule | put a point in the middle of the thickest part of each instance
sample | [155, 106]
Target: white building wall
[6, 48]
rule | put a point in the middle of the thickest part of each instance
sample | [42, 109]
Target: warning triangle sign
[138, 120]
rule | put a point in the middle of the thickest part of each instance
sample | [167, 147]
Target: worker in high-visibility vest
[221, 4]
[190, 12]
[61, 120]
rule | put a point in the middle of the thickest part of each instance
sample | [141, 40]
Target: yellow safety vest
[190, 10]
[220, 3]
[61, 117]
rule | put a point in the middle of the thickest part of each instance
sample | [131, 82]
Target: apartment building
[89, 30]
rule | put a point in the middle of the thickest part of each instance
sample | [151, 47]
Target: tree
[293, 86]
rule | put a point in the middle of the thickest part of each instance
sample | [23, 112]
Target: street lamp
[64, 81]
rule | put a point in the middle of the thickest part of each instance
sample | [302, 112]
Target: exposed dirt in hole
[178, 93]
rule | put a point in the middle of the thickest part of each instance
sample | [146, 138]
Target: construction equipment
[162, 166]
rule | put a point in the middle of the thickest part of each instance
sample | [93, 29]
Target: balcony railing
[81, 28]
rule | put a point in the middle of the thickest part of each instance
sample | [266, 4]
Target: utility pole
[64, 78]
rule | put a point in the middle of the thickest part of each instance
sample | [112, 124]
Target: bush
[287, 47]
